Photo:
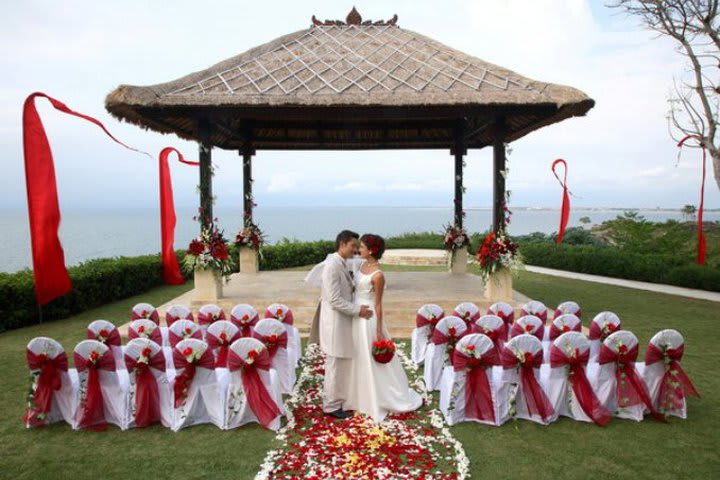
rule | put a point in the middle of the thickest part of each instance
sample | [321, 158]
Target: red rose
[188, 331]
[451, 331]
[223, 337]
[528, 328]
[272, 338]
[94, 356]
[245, 318]
[379, 344]
[565, 328]
[103, 333]
[187, 351]
[622, 349]
[611, 327]
[147, 351]
[42, 358]
[141, 329]
[252, 354]
[528, 357]
[471, 348]
[279, 312]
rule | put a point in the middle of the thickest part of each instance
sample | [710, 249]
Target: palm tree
[688, 212]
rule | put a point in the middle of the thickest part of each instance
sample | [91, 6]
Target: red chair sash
[559, 312]
[147, 396]
[631, 390]
[207, 318]
[439, 338]
[155, 335]
[478, 395]
[535, 398]
[222, 346]
[556, 332]
[495, 335]
[245, 325]
[287, 319]
[170, 319]
[92, 409]
[49, 381]
[259, 399]
[112, 339]
[596, 333]
[507, 319]
[174, 338]
[423, 321]
[466, 317]
[272, 345]
[542, 316]
[580, 385]
[518, 329]
[184, 380]
[154, 316]
[675, 384]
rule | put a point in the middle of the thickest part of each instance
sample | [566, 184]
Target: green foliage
[573, 236]
[433, 240]
[619, 263]
[287, 255]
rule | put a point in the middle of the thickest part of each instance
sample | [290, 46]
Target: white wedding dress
[375, 389]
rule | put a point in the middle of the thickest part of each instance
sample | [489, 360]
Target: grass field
[688, 449]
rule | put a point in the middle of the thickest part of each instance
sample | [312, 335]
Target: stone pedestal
[498, 287]
[458, 262]
[249, 260]
[208, 285]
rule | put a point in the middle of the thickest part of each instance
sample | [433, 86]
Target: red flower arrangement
[455, 238]
[497, 251]
[383, 351]
[250, 236]
[209, 250]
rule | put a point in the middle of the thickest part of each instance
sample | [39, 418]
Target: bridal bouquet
[383, 351]
[250, 236]
[496, 252]
[209, 250]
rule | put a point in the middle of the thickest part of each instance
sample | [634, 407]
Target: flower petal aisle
[312, 445]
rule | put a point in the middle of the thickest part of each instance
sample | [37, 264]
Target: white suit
[336, 340]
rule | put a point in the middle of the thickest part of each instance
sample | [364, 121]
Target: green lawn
[518, 450]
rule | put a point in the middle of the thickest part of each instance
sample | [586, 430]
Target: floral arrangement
[607, 329]
[102, 335]
[497, 251]
[250, 236]
[145, 332]
[455, 238]
[209, 251]
[383, 351]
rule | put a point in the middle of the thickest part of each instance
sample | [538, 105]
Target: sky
[619, 155]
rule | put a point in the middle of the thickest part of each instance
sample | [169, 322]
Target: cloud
[281, 182]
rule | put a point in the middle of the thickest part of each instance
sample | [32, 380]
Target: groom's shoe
[339, 414]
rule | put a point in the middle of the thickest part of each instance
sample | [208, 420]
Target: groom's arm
[331, 291]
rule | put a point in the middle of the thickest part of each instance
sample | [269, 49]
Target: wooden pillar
[247, 153]
[205, 153]
[499, 177]
[459, 150]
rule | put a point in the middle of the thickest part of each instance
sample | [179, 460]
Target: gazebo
[350, 85]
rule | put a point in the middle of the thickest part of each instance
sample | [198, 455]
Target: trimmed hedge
[287, 255]
[614, 262]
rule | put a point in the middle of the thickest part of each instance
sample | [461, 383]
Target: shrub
[287, 255]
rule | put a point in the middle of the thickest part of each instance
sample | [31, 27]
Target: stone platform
[405, 293]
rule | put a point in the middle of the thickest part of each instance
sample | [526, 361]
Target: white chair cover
[653, 374]
[208, 314]
[134, 349]
[241, 315]
[602, 325]
[492, 326]
[501, 307]
[567, 322]
[108, 328]
[146, 328]
[238, 411]
[421, 335]
[294, 343]
[453, 385]
[536, 308]
[561, 394]
[520, 345]
[436, 356]
[205, 401]
[568, 308]
[65, 400]
[114, 389]
[178, 312]
[282, 361]
[178, 331]
[605, 384]
[145, 310]
[529, 324]
[468, 311]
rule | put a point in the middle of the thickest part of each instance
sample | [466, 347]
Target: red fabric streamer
[92, 410]
[671, 397]
[171, 268]
[478, 395]
[51, 276]
[147, 395]
[184, 380]
[580, 385]
[507, 318]
[629, 384]
[535, 398]
[222, 345]
[565, 209]
[48, 383]
[259, 399]
[702, 247]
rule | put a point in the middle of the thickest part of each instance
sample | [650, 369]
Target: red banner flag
[171, 268]
[702, 247]
[565, 209]
[51, 276]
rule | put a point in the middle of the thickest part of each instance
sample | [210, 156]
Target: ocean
[88, 234]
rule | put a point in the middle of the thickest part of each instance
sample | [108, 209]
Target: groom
[336, 313]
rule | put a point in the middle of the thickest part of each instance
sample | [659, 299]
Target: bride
[375, 389]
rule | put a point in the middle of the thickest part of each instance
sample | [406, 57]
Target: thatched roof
[349, 86]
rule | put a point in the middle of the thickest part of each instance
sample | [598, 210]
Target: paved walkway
[652, 287]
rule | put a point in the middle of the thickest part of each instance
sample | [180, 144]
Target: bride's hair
[375, 243]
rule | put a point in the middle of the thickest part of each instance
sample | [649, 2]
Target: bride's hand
[379, 334]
